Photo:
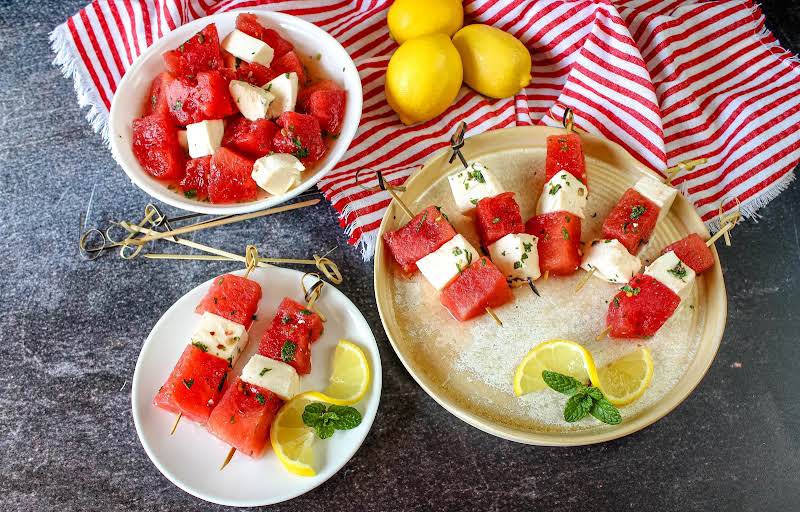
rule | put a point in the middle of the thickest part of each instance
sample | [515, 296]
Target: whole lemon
[496, 64]
[423, 78]
[408, 19]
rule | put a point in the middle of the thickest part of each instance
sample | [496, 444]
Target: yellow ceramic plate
[469, 367]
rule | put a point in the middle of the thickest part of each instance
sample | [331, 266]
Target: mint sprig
[326, 420]
[583, 400]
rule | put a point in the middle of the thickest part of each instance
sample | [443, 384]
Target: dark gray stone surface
[71, 332]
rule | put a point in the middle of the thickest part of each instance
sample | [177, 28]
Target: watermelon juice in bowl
[235, 112]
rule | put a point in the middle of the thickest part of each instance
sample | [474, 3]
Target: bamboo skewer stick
[603, 333]
[585, 280]
[684, 166]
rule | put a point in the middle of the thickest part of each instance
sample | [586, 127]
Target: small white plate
[308, 40]
[191, 457]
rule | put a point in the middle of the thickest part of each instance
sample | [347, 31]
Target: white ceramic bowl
[308, 40]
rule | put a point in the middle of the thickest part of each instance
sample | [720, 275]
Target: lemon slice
[291, 439]
[350, 377]
[624, 380]
[562, 356]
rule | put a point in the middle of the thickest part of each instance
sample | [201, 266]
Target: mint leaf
[605, 411]
[312, 414]
[288, 350]
[595, 393]
[578, 406]
[346, 417]
[561, 383]
[324, 431]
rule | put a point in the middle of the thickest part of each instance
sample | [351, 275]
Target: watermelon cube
[249, 24]
[230, 180]
[328, 108]
[497, 217]
[301, 136]
[693, 252]
[194, 184]
[156, 102]
[564, 153]
[244, 416]
[289, 342]
[290, 63]
[200, 53]
[423, 234]
[305, 93]
[640, 308]
[156, 147]
[195, 385]
[232, 297]
[631, 221]
[202, 98]
[481, 285]
[559, 235]
[291, 312]
[252, 138]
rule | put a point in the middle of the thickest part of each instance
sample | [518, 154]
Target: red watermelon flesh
[497, 217]
[290, 63]
[249, 24]
[195, 182]
[631, 221]
[564, 153]
[195, 385]
[232, 297]
[156, 147]
[328, 107]
[641, 308]
[253, 138]
[230, 180]
[423, 234]
[693, 252]
[291, 312]
[300, 135]
[244, 416]
[305, 93]
[288, 342]
[250, 72]
[202, 98]
[156, 102]
[201, 52]
[559, 235]
[479, 286]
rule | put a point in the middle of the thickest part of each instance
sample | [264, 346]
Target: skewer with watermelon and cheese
[629, 225]
[557, 224]
[649, 299]
[198, 379]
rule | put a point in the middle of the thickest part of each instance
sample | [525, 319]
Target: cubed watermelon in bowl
[292, 38]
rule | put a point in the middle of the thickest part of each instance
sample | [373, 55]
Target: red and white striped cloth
[669, 80]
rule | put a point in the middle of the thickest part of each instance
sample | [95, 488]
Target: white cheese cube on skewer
[277, 173]
[272, 375]
[673, 273]
[445, 263]
[248, 48]
[220, 337]
[284, 88]
[660, 193]
[563, 193]
[205, 137]
[517, 256]
[253, 102]
[610, 261]
[472, 184]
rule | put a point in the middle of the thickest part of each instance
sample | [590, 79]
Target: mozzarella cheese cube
[220, 337]
[205, 137]
[673, 273]
[445, 263]
[610, 261]
[272, 375]
[660, 193]
[277, 173]
[253, 102]
[284, 88]
[517, 256]
[248, 48]
[183, 139]
[563, 193]
[471, 185]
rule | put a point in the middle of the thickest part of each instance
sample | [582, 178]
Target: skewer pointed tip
[175, 425]
[533, 287]
[494, 316]
[227, 458]
[603, 333]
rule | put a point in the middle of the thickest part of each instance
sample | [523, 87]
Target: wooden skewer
[175, 425]
[533, 287]
[262, 262]
[729, 223]
[585, 280]
[158, 235]
[686, 165]
[492, 314]
[603, 333]
[546, 275]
